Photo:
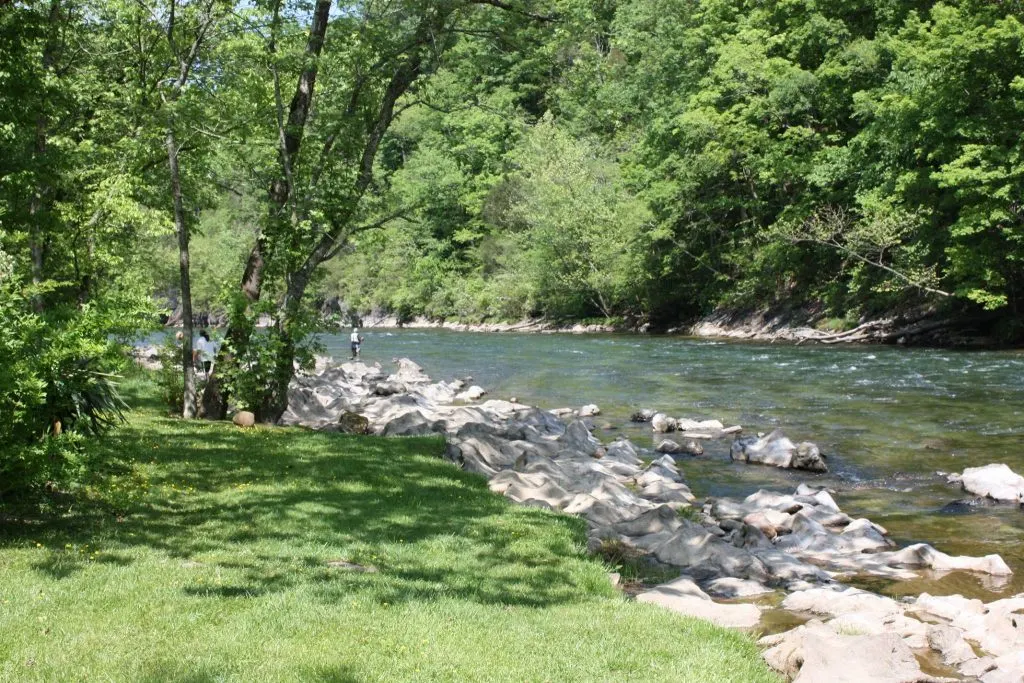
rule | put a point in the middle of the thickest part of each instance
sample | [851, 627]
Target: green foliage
[169, 377]
[57, 386]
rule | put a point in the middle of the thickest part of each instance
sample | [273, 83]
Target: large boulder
[814, 653]
[777, 450]
[998, 482]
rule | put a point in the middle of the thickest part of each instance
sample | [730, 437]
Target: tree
[324, 192]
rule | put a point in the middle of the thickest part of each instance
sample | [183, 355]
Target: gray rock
[668, 446]
[880, 658]
[777, 450]
[413, 423]
[950, 643]
[685, 597]
[729, 587]
[662, 423]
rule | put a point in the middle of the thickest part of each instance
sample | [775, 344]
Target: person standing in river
[356, 340]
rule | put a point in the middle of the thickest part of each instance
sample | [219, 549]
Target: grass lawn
[206, 553]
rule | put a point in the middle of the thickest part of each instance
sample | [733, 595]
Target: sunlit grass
[213, 553]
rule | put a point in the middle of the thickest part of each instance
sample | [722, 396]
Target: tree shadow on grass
[270, 508]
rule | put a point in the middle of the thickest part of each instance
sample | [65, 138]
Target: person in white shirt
[203, 352]
[356, 341]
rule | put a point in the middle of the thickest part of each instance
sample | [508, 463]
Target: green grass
[203, 555]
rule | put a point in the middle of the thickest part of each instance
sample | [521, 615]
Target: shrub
[57, 386]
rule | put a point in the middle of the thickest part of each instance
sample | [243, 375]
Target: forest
[644, 162]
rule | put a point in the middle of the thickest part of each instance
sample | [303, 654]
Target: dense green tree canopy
[646, 161]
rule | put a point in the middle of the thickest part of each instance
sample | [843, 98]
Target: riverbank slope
[284, 554]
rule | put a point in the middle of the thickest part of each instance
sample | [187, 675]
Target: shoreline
[758, 326]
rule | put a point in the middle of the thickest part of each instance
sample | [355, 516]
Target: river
[889, 419]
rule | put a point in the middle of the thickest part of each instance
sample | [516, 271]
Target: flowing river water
[888, 419]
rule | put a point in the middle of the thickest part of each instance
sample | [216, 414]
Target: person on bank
[356, 340]
[203, 352]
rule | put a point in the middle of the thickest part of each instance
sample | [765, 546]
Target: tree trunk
[39, 203]
[189, 410]
[215, 395]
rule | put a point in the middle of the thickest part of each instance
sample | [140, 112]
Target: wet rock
[777, 450]
[685, 597]
[966, 506]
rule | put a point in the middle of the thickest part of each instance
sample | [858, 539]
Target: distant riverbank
[905, 329]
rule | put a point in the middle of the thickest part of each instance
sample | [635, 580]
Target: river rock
[589, 410]
[996, 481]
[668, 446]
[777, 450]
[729, 587]
[388, 388]
[705, 556]
[643, 415]
[353, 423]
[662, 423]
[474, 393]
[950, 643]
[413, 424]
[685, 597]
[409, 372]
[833, 603]
[815, 654]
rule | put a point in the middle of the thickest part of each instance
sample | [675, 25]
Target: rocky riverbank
[797, 545]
